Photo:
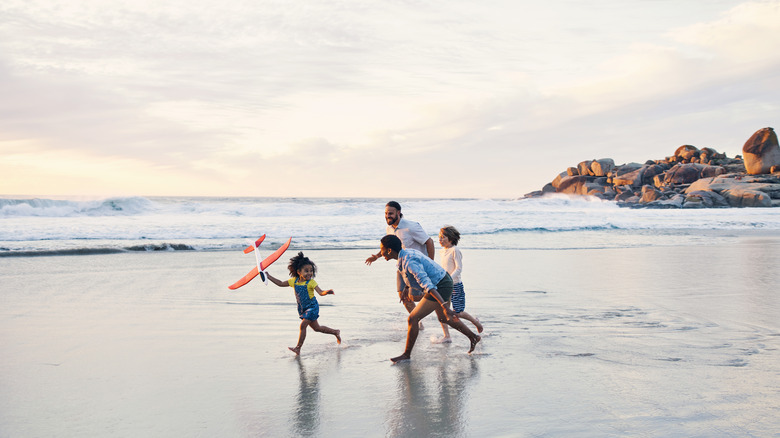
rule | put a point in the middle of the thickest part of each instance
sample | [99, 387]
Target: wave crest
[37, 207]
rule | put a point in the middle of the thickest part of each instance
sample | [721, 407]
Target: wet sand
[647, 341]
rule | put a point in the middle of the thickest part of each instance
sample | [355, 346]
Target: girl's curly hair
[298, 262]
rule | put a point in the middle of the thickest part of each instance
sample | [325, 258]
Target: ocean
[35, 226]
[600, 321]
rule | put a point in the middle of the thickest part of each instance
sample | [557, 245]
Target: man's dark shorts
[444, 287]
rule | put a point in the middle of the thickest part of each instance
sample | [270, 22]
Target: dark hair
[392, 241]
[396, 206]
[451, 233]
[298, 262]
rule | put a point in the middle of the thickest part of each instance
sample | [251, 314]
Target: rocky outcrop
[691, 178]
[762, 152]
[741, 190]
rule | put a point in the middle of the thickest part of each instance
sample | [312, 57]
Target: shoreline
[510, 240]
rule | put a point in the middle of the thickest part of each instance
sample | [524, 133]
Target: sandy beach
[646, 341]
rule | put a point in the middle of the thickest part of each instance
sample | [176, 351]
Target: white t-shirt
[452, 262]
[411, 234]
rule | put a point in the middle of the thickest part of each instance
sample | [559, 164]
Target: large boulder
[770, 185]
[685, 152]
[626, 168]
[683, 174]
[650, 194]
[581, 185]
[639, 177]
[689, 173]
[624, 196]
[632, 179]
[573, 185]
[675, 201]
[761, 152]
[739, 197]
[706, 198]
[707, 155]
[584, 168]
[602, 167]
[557, 181]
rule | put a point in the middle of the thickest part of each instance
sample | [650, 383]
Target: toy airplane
[261, 265]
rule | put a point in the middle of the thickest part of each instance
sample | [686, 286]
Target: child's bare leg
[459, 326]
[445, 329]
[472, 319]
[301, 337]
[323, 329]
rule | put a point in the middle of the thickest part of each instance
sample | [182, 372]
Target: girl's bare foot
[296, 350]
[400, 358]
[474, 342]
[338, 336]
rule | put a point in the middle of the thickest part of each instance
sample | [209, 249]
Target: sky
[367, 98]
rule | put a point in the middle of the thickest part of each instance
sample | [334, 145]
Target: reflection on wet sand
[306, 416]
[431, 397]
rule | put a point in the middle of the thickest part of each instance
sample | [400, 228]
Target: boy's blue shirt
[416, 266]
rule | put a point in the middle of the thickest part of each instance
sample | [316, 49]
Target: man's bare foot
[400, 358]
[296, 350]
[474, 343]
[338, 336]
[479, 326]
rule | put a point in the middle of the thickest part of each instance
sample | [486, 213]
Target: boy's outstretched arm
[277, 281]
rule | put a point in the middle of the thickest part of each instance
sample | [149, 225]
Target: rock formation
[761, 152]
[691, 178]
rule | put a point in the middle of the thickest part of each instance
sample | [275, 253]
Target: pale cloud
[193, 99]
[747, 34]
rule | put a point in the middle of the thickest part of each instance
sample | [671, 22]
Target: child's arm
[458, 258]
[323, 293]
[277, 281]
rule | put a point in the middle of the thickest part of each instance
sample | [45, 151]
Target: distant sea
[62, 226]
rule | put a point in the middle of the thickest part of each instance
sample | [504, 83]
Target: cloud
[204, 100]
[745, 35]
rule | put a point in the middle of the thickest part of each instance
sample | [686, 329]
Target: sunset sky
[369, 98]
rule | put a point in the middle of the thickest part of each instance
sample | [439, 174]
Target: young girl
[452, 262]
[302, 271]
